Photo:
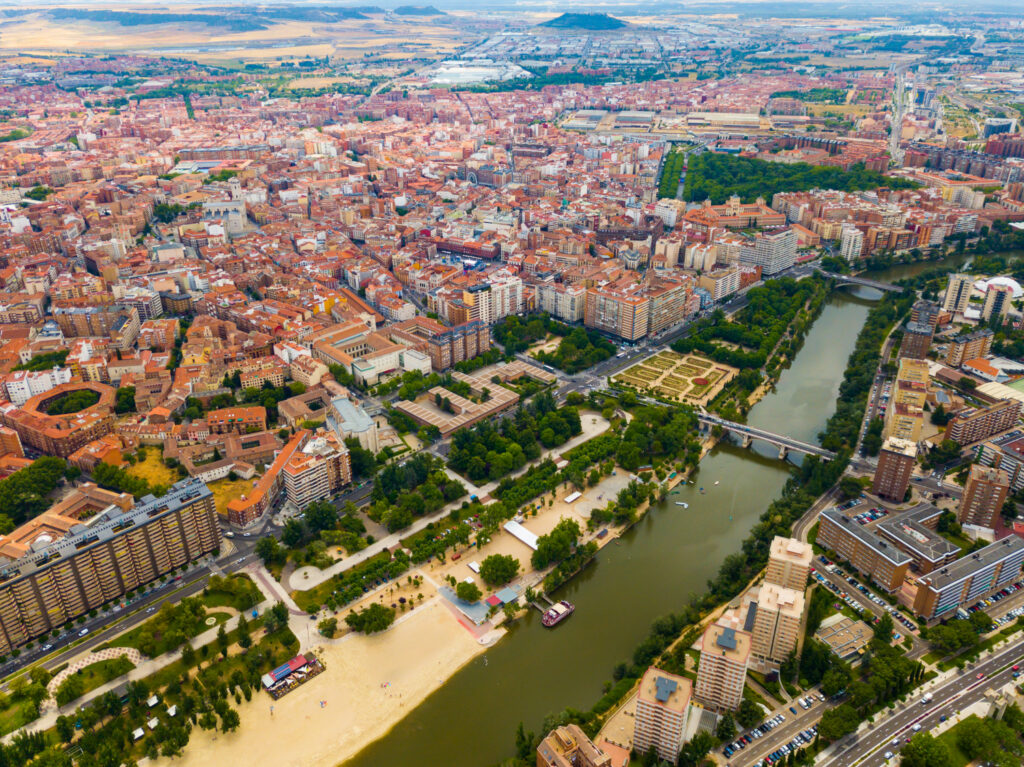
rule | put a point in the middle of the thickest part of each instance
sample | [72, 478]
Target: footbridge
[749, 433]
[847, 279]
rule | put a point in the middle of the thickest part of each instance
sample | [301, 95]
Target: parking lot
[837, 580]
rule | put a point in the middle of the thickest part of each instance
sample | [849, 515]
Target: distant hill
[418, 10]
[592, 21]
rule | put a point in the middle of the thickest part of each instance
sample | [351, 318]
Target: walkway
[78, 664]
[593, 425]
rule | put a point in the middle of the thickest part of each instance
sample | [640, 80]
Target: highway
[867, 749]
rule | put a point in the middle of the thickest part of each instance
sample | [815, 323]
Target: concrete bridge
[749, 433]
[847, 279]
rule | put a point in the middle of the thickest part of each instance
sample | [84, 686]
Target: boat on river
[683, 504]
[557, 613]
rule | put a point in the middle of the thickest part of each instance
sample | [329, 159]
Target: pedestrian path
[84, 661]
[593, 426]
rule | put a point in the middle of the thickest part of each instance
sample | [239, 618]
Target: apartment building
[773, 619]
[268, 490]
[984, 495]
[872, 556]
[896, 462]
[851, 242]
[619, 309]
[631, 309]
[566, 302]
[67, 567]
[958, 293]
[662, 711]
[904, 422]
[973, 577]
[974, 424]
[22, 385]
[237, 419]
[61, 435]
[927, 312]
[569, 746]
[317, 470]
[914, 532]
[997, 302]
[917, 339]
[1006, 453]
[772, 251]
[720, 283]
[722, 672]
[446, 346]
[789, 563]
[970, 346]
[911, 384]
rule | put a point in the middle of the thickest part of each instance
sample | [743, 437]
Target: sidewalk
[593, 426]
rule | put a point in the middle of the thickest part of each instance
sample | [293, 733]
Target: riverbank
[367, 685]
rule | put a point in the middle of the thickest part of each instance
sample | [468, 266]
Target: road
[775, 739]
[867, 748]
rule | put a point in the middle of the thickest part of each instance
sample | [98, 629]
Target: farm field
[669, 375]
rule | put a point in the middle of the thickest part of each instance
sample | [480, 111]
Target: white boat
[684, 505]
[716, 481]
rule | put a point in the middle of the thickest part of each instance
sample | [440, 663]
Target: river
[650, 571]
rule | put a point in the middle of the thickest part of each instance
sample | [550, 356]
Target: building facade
[969, 579]
[869, 554]
[103, 558]
[662, 711]
[896, 461]
[722, 671]
[789, 563]
[984, 495]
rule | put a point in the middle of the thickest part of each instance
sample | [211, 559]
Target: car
[47, 647]
[887, 755]
[981, 675]
[793, 708]
[1016, 667]
[916, 728]
[942, 718]
[83, 632]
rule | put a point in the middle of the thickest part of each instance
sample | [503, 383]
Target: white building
[566, 302]
[773, 251]
[22, 385]
[851, 242]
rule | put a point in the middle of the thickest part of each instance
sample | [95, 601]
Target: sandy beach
[368, 685]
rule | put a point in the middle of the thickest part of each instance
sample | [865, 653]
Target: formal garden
[671, 375]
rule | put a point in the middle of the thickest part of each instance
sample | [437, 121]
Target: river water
[650, 571]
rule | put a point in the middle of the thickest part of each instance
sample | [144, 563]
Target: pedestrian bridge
[749, 433]
[847, 279]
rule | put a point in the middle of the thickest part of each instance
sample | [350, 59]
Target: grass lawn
[134, 638]
[152, 469]
[750, 694]
[959, 759]
[104, 671]
[14, 716]
[237, 591]
[226, 490]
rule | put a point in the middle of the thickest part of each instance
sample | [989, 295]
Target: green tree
[699, 746]
[498, 569]
[374, 618]
[726, 730]
[925, 751]
[468, 592]
[884, 628]
[270, 551]
[328, 627]
[749, 714]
